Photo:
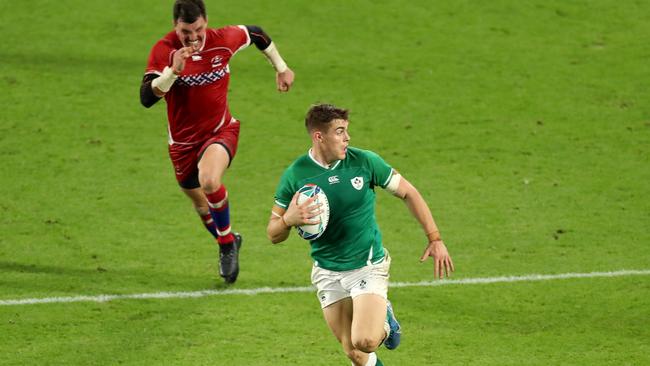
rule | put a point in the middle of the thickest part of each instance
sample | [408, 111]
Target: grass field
[525, 125]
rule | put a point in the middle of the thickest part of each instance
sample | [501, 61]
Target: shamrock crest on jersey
[357, 183]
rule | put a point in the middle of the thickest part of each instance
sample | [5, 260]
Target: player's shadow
[45, 269]
[45, 278]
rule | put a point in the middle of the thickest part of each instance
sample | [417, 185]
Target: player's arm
[281, 220]
[155, 86]
[402, 188]
[284, 75]
[148, 96]
[277, 230]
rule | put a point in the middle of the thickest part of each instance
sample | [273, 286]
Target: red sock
[208, 221]
[219, 209]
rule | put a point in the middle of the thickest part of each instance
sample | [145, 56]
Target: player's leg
[212, 166]
[339, 319]
[337, 311]
[371, 323]
[184, 159]
[215, 157]
[201, 207]
[369, 316]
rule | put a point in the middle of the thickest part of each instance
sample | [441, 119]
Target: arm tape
[393, 183]
[274, 57]
[165, 81]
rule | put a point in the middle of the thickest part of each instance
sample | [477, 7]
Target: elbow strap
[147, 97]
[258, 37]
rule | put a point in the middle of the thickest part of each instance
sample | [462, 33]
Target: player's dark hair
[320, 115]
[188, 11]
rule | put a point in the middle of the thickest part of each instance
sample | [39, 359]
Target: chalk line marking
[274, 290]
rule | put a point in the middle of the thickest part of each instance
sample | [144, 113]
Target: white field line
[273, 290]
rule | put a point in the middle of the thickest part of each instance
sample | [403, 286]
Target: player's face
[336, 140]
[191, 34]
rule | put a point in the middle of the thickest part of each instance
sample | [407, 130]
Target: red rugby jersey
[197, 104]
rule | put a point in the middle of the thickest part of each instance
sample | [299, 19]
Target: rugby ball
[314, 231]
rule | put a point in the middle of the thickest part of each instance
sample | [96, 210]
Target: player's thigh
[335, 302]
[338, 317]
[212, 165]
[369, 315]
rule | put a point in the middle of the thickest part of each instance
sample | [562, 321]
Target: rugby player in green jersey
[351, 265]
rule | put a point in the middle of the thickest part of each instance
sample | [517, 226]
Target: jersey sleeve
[159, 57]
[285, 190]
[381, 172]
[236, 37]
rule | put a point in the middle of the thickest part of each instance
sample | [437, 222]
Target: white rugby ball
[314, 231]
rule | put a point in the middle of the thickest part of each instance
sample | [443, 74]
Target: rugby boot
[229, 260]
[395, 334]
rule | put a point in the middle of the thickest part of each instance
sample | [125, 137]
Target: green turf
[525, 125]
[572, 322]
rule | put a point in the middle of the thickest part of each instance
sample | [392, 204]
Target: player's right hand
[304, 213]
[284, 80]
[178, 60]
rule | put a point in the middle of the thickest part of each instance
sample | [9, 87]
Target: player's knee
[210, 184]
[366, 344]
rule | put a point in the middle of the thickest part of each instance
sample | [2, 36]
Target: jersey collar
[327, 167]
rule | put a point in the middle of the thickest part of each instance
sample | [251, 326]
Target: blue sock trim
[221, 218]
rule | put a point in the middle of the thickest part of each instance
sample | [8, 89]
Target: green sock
[379, 362]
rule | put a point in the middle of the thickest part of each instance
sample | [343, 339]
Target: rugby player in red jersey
[189, 68]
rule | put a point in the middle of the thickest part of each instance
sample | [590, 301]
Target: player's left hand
[442, 263]
[284, 80]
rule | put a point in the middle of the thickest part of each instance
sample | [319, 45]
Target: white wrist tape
[274, 57]
[393, 183]
[165, 81]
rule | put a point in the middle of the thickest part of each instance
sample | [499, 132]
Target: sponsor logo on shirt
[357, 183]
[333, 179]
[216, 61]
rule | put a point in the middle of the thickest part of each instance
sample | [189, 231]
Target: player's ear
[317, 135]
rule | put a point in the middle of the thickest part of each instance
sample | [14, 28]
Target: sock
[372, 359]
[218, 202]
[386, 328]
[208, 221]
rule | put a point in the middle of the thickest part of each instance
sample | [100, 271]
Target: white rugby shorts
[333, 286]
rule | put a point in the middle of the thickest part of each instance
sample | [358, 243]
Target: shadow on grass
[46, 269]
[20, 279]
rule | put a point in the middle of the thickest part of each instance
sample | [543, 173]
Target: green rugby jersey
[352, 238]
